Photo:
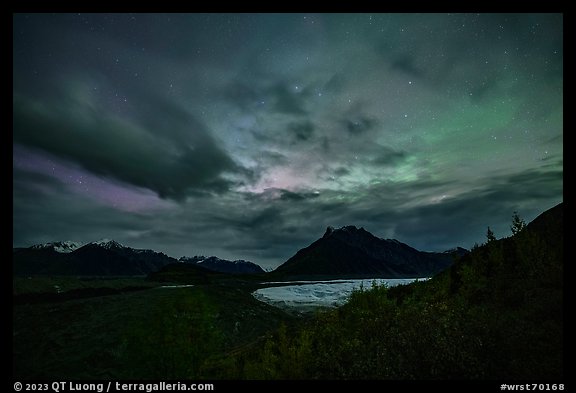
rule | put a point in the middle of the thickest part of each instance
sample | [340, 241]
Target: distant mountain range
[347, 252]
[351, 252]
[100, 258]
[63, 247]
[110, 258]
[216, 264]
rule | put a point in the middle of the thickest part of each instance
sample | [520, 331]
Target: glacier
[309, 295]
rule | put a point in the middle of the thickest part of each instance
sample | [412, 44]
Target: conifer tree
[490, 235]
[518, 224]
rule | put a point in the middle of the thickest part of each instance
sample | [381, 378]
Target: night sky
[245, 135]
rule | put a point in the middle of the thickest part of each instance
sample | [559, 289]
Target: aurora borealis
[245, 135]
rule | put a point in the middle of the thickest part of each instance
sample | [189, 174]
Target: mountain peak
[459, 251]
[345, 229]
[107, 244]
[329, 231]
[352, 251]
[61, 247]
[351, 229]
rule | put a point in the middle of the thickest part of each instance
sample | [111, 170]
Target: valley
[469, 320]
[158, 331]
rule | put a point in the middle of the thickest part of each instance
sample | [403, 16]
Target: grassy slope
[153, 333]
[46, 284]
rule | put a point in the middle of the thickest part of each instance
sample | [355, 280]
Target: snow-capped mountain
[216, 264]
[106, 257]
[100, 258]
[61, 247]
[107, 244]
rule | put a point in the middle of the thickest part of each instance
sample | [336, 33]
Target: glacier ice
[312, 294]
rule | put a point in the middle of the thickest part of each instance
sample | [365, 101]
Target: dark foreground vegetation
[497, 313]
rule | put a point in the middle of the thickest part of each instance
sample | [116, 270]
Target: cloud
[359, 125]
[241, 95]
[274, 158]
[165, 150]
[302, 131]
[335, 84]
[269, 94]
[448, 221]
[283, 195]
[269, 228]
[287, 99]
[387, 156]
[30, 186]
[407, 64]
[44, 211]
[341, 171]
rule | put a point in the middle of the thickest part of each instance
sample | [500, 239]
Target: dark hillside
[496, 314]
